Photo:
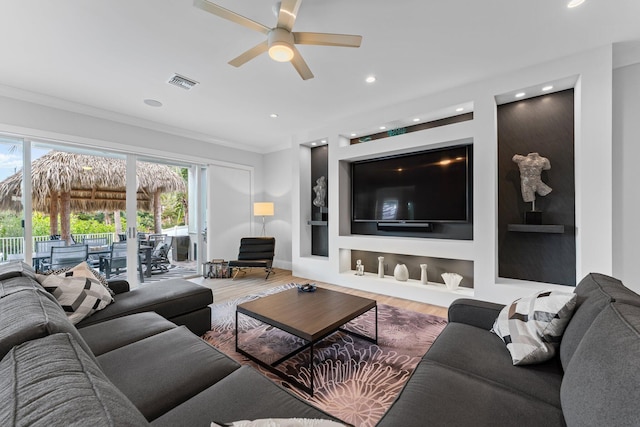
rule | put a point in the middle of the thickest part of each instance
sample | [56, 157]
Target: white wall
[278, 188]
[593, 187]
[626, 175]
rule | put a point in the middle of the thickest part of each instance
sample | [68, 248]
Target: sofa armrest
[119, 286]
[481, 314]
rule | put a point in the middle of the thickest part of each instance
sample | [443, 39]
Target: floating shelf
[533, 228]
[318, 223]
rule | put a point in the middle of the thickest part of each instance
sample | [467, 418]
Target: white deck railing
[13, 247]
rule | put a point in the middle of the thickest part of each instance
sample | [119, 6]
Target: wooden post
[53, 213]
[118, 222]
[65, 216]
[157, 213]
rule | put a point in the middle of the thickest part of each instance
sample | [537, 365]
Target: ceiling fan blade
[250, 54]
[288, 13]
[300, 65]
[324, 39]
[231, 16]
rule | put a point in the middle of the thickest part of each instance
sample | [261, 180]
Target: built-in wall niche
[544, 251]
[319, 214]
[435, 266]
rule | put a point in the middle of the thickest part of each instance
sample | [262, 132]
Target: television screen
[427, 186]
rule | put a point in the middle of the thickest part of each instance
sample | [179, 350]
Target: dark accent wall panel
[319, 167]
[544, 125]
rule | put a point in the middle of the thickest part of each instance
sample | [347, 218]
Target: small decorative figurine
[423, 273]
[359, 268]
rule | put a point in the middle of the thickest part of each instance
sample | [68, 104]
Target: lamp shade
[263, 209]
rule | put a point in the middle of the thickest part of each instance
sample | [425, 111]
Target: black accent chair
[255, 252]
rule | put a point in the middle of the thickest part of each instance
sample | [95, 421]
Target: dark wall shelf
[318, 223]
[532, 228]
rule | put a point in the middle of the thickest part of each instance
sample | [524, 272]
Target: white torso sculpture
[321, 192]
[531, 167]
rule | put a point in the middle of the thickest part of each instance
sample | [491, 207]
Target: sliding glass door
[12, 243]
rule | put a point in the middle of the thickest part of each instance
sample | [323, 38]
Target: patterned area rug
[355, 380]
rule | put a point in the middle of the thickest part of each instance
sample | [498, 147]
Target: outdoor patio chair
[95, 244]
[160, 254]
[65, 256]
[116, 260]
[44, 246]
[255, 252]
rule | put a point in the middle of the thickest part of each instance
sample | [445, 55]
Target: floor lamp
[263, 209]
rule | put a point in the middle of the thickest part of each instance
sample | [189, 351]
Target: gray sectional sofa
[127, 365]
[467, 377]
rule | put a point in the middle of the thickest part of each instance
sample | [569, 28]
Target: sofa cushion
[169, 298]
[15, 269]
[115, 333]
[595, 292]
[79, 297]
[17, 284]
[45, 317]
[438, 396]
[52, 382]
[162, 371]
[532, 327]
[484, 355]
[600, 386]
[243, 394]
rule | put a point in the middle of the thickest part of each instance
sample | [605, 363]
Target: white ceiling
[107, 56]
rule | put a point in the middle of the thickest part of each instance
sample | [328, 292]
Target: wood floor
[253, 282]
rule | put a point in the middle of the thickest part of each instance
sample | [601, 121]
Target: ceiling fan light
[280, 52]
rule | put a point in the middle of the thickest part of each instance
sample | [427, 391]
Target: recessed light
[353, 134]
[370, 79]
[324, 141]
[459, 109]
[416, 119]
[383, 127]
[546, 88]
[574, 3]
[273, 115]
[314, 144]
[153, 103]
[520, 94]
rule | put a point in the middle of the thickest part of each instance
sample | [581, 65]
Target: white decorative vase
[401, 273]
[452, 280]
[423, 273]
[381, 267]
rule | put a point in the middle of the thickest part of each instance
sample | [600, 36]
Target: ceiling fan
[281, 41]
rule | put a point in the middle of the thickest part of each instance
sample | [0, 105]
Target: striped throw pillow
[532, 327]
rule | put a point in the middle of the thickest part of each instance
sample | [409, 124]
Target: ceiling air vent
[181, 81]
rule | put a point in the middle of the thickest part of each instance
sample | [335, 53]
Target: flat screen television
[420, 187]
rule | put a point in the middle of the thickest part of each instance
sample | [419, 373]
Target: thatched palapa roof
[94, 183]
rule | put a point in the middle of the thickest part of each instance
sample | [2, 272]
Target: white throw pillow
[532, 327]
[82, 270]
[80, 297]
